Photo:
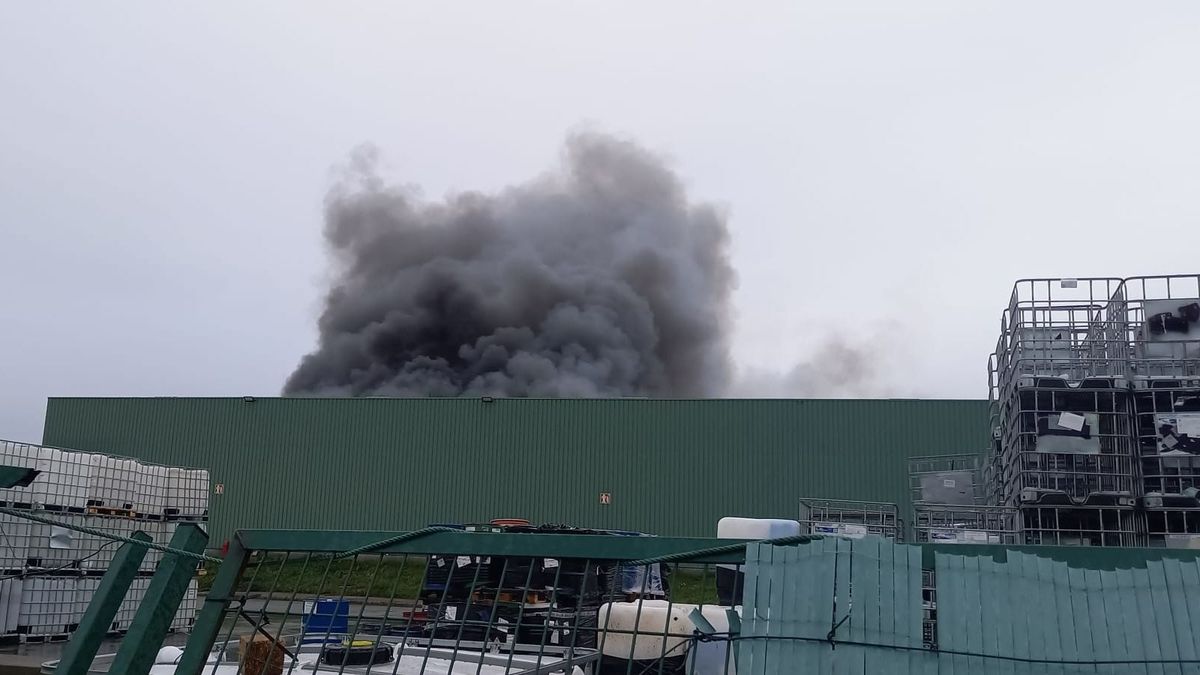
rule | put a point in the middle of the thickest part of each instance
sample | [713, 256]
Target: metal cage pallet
[958, 524]
[848, 518]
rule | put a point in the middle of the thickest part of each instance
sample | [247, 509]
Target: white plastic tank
[729, 580]
[649, 644]
[652, 628]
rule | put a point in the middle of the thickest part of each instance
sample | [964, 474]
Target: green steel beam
[97, 620]
[595, 547]
[212, 613]
[153, 618]
[16, 476]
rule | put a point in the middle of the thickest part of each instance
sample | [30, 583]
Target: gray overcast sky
[889, 168]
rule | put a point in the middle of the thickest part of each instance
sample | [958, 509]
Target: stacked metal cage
[950, 502]
[49, 572]
[1161, 321]
[1061, 404]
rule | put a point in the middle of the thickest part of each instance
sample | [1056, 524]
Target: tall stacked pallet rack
[1095, 396]
[1162, 331]
[48, 573]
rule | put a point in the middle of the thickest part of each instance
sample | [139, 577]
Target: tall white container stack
[50, 572]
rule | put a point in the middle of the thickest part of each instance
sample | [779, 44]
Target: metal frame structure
[972, 524]
[546, 616]
[850, 518]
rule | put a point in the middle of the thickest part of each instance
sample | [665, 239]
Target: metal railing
[443, 600]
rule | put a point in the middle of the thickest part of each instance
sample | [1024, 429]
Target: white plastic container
[10, 605]
[660, 628]
[187, 492]
[150, 497]
[732, 527]
[56, 546]
[14, 543]
[63, 479]
[48, 607]
[97, 552]
[113, 482]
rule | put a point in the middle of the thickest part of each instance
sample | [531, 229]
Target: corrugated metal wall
[672, 466]
[1020, 612]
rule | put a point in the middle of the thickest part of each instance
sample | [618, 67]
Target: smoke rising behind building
[600, 278]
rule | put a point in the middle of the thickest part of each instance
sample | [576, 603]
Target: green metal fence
[534, 601]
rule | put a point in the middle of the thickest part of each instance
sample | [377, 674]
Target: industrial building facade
[670, 467]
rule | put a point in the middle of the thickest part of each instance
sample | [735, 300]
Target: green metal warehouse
[671, 467]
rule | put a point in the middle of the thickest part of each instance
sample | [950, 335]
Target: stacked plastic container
[48, 573]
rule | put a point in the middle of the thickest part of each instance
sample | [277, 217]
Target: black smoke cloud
[600, 278]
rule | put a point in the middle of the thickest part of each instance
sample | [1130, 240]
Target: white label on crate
[947, 482]
[943, 535]
[441, 562]
[1071, 421]
[60, 537]
[853, 531]
[974, 536]
[462, 560]
[451, 612]
[549, 563]
[1188, 425]
[1169, 442]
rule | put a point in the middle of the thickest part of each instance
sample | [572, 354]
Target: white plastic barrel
[661, 628]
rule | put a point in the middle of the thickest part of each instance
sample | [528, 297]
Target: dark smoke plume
[598, 279]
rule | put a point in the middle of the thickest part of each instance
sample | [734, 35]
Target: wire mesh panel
[850, 519]
[48, 607]
[953, 524]
[1072, 440]
[1080, 526]
[1168, 527]
[1162, 323]
[1061, 328]
[521, 604]
[1167, 425]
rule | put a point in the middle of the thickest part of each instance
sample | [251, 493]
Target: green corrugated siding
[674, 467]
[1003, 611]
